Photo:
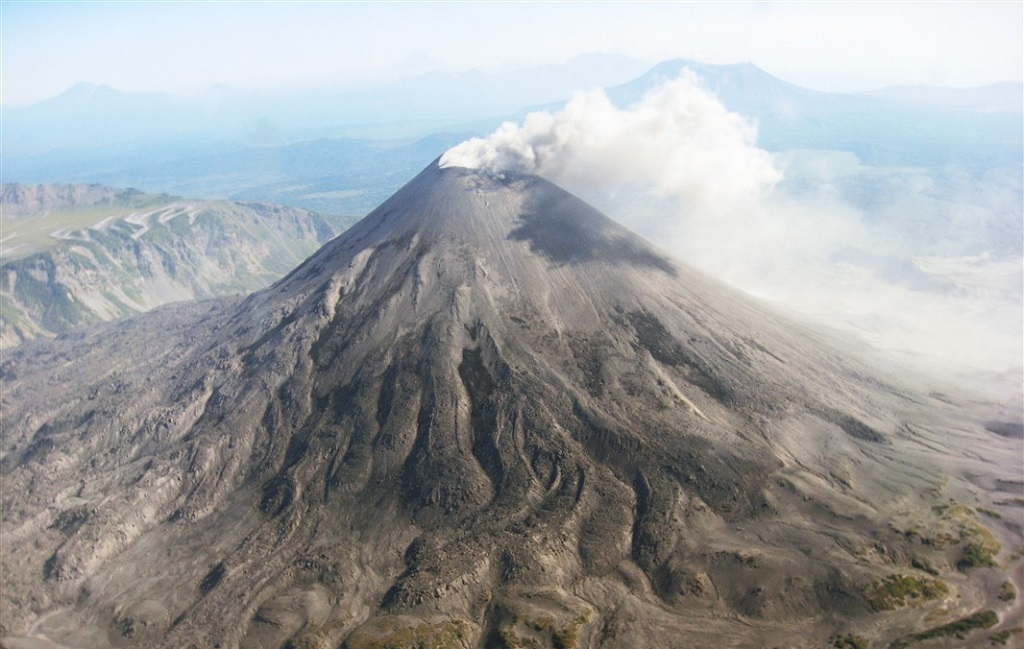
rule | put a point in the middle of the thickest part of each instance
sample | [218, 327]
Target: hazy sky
[187, 46]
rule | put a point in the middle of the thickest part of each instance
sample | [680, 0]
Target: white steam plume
[678, 140]
[683, 171]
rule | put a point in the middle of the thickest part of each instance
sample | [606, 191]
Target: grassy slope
[24, 235]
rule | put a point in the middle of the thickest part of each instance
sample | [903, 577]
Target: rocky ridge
[109, 253]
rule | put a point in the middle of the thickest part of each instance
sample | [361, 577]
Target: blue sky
[183, 47]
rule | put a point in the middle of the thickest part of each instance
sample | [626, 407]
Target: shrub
[897, 591]
[977, 554]
[1007, 592]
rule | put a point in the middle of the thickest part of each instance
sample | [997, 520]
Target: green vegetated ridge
[394, 632]
[956, 533]
[34, 217]
[78, 258]
[958, 629]
[896, 591]
[1002, 638]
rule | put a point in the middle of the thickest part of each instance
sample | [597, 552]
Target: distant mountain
[742, 87]
[90, 116]
[938, 169]
[80, 254]
[99, 116]
[476, 94]
[880, 129]
[488, 416]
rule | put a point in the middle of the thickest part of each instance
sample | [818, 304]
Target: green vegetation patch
[850, 641]
[406, 633]
[11, 313]
[542, 621]
[1001, 638]
[315, 636]
[958, 629]
[30, 234]
[897, 591]
[511, 640]
[567, 636]
[978, 554]
[958, 524]
[1007, 592]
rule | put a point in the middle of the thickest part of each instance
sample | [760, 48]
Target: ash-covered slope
[487, 416]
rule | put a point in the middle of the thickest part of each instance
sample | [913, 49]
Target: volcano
[489, 416]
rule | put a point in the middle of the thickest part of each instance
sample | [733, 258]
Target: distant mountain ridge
[243, 144]
[97, 115]
[18, 199]
[925, 128]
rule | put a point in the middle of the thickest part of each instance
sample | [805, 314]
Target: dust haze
[926, 280]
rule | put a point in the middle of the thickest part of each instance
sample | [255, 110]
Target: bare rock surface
[488, 416]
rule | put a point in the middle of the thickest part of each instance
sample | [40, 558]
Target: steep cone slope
[487, 416]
